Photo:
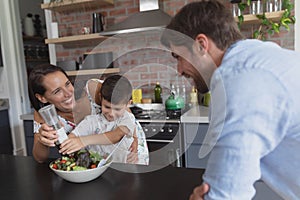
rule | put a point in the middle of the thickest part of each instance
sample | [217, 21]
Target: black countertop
[23, 178]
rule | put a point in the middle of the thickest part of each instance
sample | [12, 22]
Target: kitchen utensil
[174, 103]
[104, 161]
[98, 22]
[28, 25]
[68, 65]
[50, 117]
[94, 60]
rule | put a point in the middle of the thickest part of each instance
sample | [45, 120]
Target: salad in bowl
[79, 167]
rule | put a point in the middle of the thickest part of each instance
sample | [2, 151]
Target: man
[254, 129]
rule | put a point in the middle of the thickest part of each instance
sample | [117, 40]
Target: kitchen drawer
[191, 157]
[4, 120]
[29, 145]
[6, 149]
[28, 127]
[194, 133]
[5, 135]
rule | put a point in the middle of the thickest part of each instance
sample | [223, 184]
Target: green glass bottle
[157, 93]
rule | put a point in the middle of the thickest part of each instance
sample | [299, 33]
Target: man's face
[112, 111]
[190, 66]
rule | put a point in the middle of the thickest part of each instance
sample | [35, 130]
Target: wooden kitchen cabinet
[77, 40]
[68, 5]
[73, 5]
[35, 51]
[5, 133]
[194, 134]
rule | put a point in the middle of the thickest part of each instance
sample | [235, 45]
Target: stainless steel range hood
[150, 17]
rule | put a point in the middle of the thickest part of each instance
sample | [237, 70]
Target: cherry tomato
[93, 166]
[54, 166]
[63, 161]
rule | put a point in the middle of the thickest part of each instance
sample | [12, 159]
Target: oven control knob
[170, 130]
[146, 129]
[162, 130]
[153, 129]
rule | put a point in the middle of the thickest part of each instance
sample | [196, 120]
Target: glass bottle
[256, 7]
[235, 8]
[157, 93]
[193, 97]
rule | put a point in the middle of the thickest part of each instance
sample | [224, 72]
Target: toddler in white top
[102, 132]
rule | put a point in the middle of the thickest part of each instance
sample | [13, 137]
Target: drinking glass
[256, 7]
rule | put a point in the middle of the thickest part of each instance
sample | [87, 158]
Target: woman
[48, 84]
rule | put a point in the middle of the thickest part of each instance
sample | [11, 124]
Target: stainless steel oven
[163, 135]
[164, 141]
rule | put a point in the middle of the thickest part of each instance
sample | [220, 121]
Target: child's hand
[132, 157]
[71, 145]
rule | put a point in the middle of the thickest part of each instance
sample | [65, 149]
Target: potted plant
[268, 26]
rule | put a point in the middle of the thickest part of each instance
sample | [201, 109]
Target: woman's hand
[132, 157]
[199, 192]
[47, 135]
[71, 145]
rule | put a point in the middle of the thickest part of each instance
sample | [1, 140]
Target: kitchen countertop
[197, 114]
[24, 178]
[4, 105]
[28, 116]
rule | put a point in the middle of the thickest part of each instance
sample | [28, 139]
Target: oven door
[164, 143]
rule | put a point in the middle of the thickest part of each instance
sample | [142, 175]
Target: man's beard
[201, 85]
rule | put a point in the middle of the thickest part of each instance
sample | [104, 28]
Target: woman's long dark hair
[35, 80]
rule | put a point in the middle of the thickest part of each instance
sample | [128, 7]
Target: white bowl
[83, 175]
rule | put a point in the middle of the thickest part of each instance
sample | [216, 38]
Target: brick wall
[139, 61]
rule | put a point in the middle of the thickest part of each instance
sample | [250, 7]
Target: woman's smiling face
[59, 91]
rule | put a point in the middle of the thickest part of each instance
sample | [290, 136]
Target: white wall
[13, 76]
[3, 80]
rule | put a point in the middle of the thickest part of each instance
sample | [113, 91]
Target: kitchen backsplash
[145, 63]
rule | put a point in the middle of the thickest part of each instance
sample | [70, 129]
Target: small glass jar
[256, 7]
[273, 5]
[235, 8]
[269, 6]
[277, 5]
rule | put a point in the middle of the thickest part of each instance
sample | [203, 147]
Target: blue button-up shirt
[255, 122]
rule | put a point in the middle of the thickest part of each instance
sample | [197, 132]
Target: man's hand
[199, 192]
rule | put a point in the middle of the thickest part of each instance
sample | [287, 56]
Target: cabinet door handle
[161, 141]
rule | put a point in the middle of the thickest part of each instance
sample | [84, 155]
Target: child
[101, 132]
